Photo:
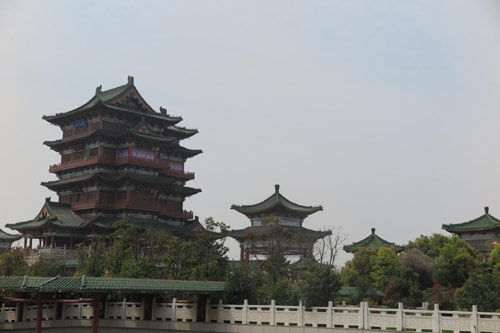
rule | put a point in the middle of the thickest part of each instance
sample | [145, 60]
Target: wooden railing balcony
[138, 205]
[164, 166]
[80, 163]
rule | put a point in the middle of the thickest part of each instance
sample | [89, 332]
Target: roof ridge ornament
[130, 79]
[163, 110]
[277, 188]
[487, 210]
[98, 90]
[373, 231]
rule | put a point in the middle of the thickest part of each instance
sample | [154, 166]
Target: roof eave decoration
[373, 241]
[484, 222]
[274, 201]
[110, 98]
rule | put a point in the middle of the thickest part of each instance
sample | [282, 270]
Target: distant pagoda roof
[52, 214]
[9, 237]
[110, 98]
[372, 241]
[266, 230]
[181, 132]
[484, 222]
[277, 200]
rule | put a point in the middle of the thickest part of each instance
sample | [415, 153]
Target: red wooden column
[242, 254]
[95, 314]
[39, 309]
[25, 241]
[52, 241]
[31, 243]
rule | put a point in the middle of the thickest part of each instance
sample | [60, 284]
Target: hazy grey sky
[384, 112]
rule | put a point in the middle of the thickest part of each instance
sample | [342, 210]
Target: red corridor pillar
[95, 314]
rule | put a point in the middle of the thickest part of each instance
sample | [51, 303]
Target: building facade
[276, 223]
[119, 158]
[483, 233]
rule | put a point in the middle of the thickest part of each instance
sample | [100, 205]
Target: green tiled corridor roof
[97, 284]
[276, 200]
[482, 223]
[374, 242]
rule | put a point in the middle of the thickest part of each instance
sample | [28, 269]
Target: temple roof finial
[277, 187]
[486, 210]
[47, 199]
[130, 79]
[163, 110]
[373, 231]
[98, 90]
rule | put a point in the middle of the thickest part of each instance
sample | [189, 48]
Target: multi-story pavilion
[276, 222]
[119, 158]
[483, 233]
[373, 241]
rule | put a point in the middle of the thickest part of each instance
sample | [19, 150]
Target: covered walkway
[49, 290]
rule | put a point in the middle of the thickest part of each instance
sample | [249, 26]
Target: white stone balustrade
[360, 317]
[174, 311]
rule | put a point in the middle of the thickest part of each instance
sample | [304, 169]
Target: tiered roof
[484, 222]
[275, 201]
[52, 214]
[373, 241]
[108, 99]
[266, 230]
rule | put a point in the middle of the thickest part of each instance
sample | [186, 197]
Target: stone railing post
[244, 312]
[436, 324]
[124, 306]
[153, 308]
[19, 312]
[2, 317]
[475, 321]
[361, 315]
[329, 320]
[272, 320]
[399, 317]
[366, 323]
[300, 314]
[174, 309]
[207, 310]
[220, 312]
[143, 308]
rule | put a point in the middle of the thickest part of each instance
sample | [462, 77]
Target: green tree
[242, 283]
[494, 258]
[482, 288]
[12, 263]
[47, 268]
[385, 266]
[319, 284]
[92, 259]
[455, 261]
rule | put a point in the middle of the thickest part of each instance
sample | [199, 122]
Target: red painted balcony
[164, 166]
[137, 205]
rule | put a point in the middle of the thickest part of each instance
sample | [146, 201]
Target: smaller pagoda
[373, 241]
[482, 233]
[276, 221]
[6, 240]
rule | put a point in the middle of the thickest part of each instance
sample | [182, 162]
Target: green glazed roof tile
[374, 242]
[96, 284]
[483, 222]
[274, 201]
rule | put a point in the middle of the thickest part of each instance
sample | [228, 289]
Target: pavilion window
[91, 196]
[107, 196]
[177, 166]
[175, 206]
[143, 154]
[121, 196]
[122, 153]
[94, 125]
[64, 198]
[78, 197]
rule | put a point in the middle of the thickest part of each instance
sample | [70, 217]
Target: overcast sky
[386, 113]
